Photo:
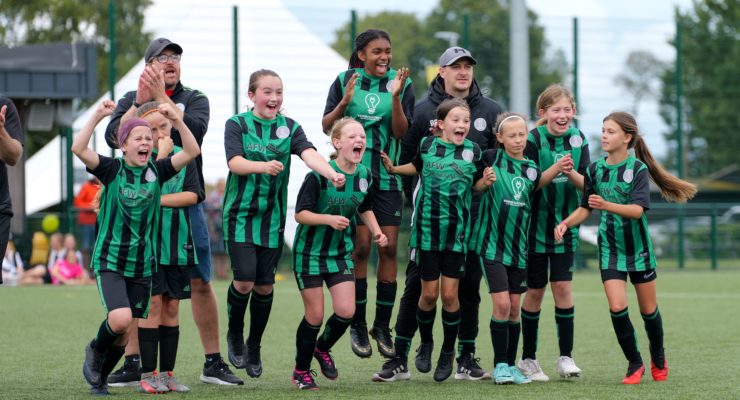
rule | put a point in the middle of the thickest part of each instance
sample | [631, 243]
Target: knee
[449, 301]
[362, 250]
[514, 313]
[502, 308]
[243, 287]
[263, 290]
[119, 322]
[198, 287]
[314, 317]
[388, 252]
[155, 305]
[429, 298]
[536, 295]
[171, 309]
[345, 311]
[562, 292]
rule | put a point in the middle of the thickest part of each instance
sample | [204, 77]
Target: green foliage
[710, 85]
[415, 46]
[35, 21]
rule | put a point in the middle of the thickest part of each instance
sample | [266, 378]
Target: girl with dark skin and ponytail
[618, 186]
[382, 100]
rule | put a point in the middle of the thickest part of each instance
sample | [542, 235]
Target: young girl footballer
[322, 250]
[499, 237]
[554, 143]
[446, 165]
[618, 186]
[124, 252]
[382, 100]
[259, 144]
[160, 331]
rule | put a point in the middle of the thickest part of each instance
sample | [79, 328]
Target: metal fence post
[714, 237]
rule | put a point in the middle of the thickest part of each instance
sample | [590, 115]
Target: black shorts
[252, 263]
[636, 277]
[387, 207]
[501, 278]
[447, 263]
[117, 291]
[172, 281]
[306, 281]
[559, 265]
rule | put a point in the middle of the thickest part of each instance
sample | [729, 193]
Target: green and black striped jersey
[624, 243]
[371, 106]
[500, 232]
[441, 218]
[319, 249]
[555, 201]
[255, 205]
[175, 239]
[129, 215]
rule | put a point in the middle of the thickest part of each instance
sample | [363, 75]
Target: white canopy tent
[270, 37]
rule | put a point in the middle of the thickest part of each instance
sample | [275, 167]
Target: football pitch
[43, 331]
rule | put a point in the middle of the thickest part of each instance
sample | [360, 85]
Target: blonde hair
[550, 96]
[335, 132]
[672, 188]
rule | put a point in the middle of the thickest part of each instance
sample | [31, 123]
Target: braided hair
[361, 42]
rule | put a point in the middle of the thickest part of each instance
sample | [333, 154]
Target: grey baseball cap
[158, 45]
[453, 54]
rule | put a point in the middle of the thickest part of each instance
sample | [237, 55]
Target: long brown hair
[550, 96]
[671, 188]
[444, 108]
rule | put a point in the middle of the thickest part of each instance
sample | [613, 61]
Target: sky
[609, 31]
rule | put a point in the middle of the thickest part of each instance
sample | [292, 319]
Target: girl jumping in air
[259, 144]
[618, 186]
[382, 100]
[124, 251]
[447, 168]
[322, 251]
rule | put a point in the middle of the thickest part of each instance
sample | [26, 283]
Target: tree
[414, 42]
[710, 87]
[24, 22]
[641, 71]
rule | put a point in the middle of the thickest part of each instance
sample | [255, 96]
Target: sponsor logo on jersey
[372, 101]
[480, 124]
[282, 132]
[518, 185]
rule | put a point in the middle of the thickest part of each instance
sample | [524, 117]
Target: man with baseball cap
[455, 79]
[160, 82]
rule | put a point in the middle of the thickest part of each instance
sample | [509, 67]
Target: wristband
[563, 222]
[137, 105]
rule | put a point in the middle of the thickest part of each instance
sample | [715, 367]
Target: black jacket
[483, 114]
[196, 110]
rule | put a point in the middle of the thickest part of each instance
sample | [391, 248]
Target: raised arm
[190, 148]
[399, 121]
[11, 149]
[338, 110]
[81, 142]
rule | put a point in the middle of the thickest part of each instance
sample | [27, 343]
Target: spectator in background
[13, 272]
[214, 204]
[70, 246]
[56, 253]
[68, 270]
[11, 151]
[86, 216]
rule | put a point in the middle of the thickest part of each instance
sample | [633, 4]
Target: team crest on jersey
[180, 106]
[282, 132]
[531, 174]
[389, 86]
[480, 124]
[363, 185]
[575, 141]
[467, 155]
[150, 176]
[518, 184]
[628, 176]
[372, 101]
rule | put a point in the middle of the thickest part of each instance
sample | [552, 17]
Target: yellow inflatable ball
[50, 223]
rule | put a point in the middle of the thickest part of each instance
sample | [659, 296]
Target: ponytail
[671, 188]
[361, 42]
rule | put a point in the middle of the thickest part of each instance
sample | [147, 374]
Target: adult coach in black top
[160, 82]
[11, 150]
[455, 79]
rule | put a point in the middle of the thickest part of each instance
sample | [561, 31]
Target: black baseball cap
[157, 46]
